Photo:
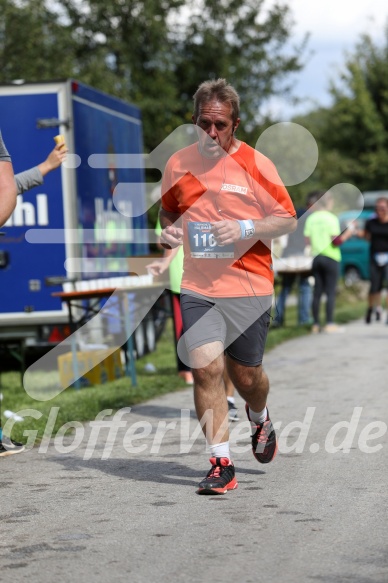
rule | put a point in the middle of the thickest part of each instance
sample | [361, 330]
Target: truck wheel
[352, 276]
[139, 341]
[150, 333]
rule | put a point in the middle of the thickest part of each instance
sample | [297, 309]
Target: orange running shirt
[234, 187]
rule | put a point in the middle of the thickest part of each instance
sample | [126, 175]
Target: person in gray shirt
[7, 184]
[10, 187]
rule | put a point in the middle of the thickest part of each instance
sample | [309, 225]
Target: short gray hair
[218, 89]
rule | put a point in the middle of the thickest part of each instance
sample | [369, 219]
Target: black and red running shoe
[220, 478]
[264, 442]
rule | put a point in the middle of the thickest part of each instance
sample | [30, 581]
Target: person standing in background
[322, 231]
[8, 193]
[173, 261]
[296, 245]
[7, 184]
[10, 186]
[376, 231]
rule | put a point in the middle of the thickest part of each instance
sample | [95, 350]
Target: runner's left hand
[226, 232]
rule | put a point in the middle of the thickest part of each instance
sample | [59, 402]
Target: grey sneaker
[233, 413]
[10, 447]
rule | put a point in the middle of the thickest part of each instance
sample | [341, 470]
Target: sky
[335, 27]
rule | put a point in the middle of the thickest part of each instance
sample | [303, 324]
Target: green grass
[84, 404]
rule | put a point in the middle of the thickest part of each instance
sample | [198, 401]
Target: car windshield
[349, 217]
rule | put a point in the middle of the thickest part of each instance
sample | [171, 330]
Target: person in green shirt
[323, 233]
[173, 261]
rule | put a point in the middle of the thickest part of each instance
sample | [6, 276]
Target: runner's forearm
[166, 218]
[272, 227]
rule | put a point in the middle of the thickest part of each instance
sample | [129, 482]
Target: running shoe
[233, 413]
[368, 316]
[264, 442]
[10, 447]
[220, 478]
[187, 376]
[333, 329]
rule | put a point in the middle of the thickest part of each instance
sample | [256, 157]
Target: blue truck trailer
[76, 197]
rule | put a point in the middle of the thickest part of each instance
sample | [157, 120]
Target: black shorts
[377, 276]
[241, 324]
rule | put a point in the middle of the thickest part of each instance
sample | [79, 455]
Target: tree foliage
[146, 52]
[34, 45]
[238, 40]
[353, 134]
[129, 42]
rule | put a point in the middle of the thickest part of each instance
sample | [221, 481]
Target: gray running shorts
[241, 324]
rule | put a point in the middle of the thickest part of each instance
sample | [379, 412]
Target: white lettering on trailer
[111, 224]
[42, 209]
[27, 215]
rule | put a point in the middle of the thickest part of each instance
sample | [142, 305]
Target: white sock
[258, 418]
[231, 400]
[220, 450]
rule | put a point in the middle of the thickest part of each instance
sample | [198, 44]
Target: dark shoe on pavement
[264, 442]
[10, 447]
[233, 413]
[220, 478]
[368, 316]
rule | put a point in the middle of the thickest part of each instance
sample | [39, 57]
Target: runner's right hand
[171, 237]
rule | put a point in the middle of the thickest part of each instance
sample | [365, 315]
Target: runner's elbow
[293, 224]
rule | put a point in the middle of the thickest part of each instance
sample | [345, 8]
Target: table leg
[74, 359]
[130, 360]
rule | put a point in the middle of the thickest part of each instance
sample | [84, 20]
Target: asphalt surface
[317, 513]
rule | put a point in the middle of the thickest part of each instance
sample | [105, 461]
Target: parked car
[370, 197]
[355, 251]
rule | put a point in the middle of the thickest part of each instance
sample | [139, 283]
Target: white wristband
[247, 228]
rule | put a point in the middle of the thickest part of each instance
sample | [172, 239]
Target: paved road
[314, 515]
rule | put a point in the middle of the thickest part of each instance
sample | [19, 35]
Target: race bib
[381, 259]
[203, 244]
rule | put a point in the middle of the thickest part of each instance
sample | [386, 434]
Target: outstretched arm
[54, 159]
[159, 266]
[34, 176]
